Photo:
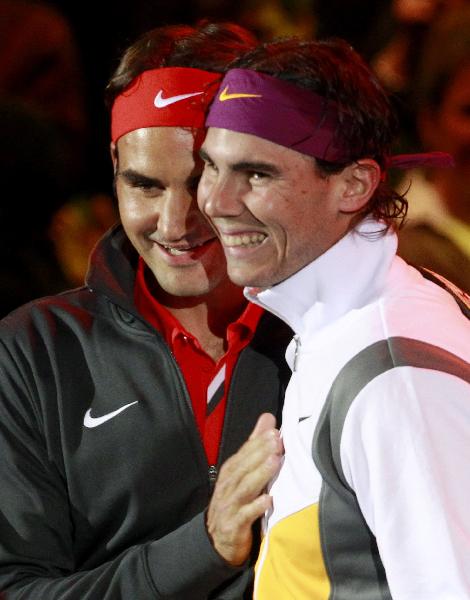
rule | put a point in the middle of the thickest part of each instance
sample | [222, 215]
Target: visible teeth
[247, 239]
[177, 251]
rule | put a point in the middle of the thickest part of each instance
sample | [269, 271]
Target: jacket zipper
[212, 472]
[212, 469]
[296, 352]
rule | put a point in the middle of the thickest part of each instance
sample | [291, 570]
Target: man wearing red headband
[120, 400]
[371, 500]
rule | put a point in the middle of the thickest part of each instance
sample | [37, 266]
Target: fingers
[239, 498]
[247, 472]
[265, 422]
[243, 477]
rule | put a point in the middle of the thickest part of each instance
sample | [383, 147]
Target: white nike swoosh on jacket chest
[91, 422]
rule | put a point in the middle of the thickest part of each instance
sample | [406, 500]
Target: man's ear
[360, 180]
[114, 156]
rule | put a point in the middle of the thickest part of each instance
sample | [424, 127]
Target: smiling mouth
[244, 240]
[178, 251]
[181, 250]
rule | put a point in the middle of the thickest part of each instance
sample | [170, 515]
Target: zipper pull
[212, 476]
[296, 352]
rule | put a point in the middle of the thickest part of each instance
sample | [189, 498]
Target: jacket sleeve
[37, 559]
[404, 451]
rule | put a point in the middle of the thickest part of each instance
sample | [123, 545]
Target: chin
[260, 275]
[243, 280]
[186, 290]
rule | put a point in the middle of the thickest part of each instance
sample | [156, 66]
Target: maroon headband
[281, 112]
[278, 111]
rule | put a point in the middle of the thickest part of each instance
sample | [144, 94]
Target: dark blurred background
[55, 60]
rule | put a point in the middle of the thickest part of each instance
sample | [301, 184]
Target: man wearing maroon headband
[371, 500]
[120, 400]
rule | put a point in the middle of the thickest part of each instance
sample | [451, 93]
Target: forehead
[233, 147]
[162, 147]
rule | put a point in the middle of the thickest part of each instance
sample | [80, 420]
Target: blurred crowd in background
[56, 175]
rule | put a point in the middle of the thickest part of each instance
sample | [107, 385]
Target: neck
[207, 317]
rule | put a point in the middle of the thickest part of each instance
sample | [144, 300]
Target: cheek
[268, 204]
[201, 192]
[204, 190]
[127, 212]
[136, 213]
[285, 208]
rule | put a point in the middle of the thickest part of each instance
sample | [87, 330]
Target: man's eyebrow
[245, 165]
[135, 178]
[254, 166]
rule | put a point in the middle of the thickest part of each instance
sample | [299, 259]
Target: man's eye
[258, 176]
[209, 166]
[147, 186]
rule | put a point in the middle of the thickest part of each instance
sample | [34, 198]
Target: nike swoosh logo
[226, 96]
[91, 422]
[161, 102]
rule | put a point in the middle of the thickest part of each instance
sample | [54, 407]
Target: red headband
[167, 97]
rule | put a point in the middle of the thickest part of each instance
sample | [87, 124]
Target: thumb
[265, 422]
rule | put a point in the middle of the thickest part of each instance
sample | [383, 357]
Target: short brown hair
[207, 46]
[333, 69]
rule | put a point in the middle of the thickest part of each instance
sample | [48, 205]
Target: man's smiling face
[273, 212]
[156, 180]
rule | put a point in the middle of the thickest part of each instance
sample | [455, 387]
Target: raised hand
[239, 496]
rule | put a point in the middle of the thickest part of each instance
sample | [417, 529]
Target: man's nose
[175, 215]
[222, 197]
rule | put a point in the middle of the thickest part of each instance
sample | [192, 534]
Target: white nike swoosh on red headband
[161, 102]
